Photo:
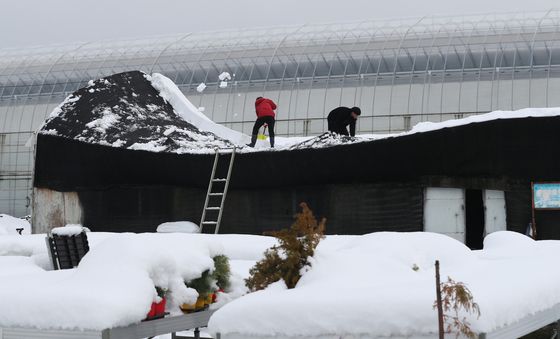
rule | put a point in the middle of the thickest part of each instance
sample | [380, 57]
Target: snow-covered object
[201, 87]
[10, 225]
[178, 227]
[224, 76]
[125, 111]
[223, 84]
[112, 286]
[69, 230]
[185, 109]
[114, 283]
[367, 287]
[201, 109]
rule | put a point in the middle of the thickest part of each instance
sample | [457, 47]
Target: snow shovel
[262, 136]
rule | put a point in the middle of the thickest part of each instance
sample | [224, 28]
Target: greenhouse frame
[399, 72]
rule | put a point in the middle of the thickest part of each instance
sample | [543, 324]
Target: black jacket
[339, 118]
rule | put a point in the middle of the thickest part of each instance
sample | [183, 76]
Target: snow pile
[69, 230]
[178, 227]
[327, 139]
[11, 225]
[382, 285]
[185, 109]
[224, 76]
[114, 283]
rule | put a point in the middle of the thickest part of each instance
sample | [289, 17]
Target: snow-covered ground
[375, 285]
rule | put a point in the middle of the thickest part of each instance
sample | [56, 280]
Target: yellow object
[208, 300]
[187, 307]
[200, 303]
[261, 137]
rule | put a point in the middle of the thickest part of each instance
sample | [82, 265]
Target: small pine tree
[221, 272]
[202, 285]
[454, 297]
[287, 259]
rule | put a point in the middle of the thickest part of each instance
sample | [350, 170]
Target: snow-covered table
[145, 329]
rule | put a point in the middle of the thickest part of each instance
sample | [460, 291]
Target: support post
[439, 305]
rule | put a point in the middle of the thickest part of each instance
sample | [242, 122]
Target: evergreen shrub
[290, 257]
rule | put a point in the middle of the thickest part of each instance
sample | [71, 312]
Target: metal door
[444, 212]
[495, 211]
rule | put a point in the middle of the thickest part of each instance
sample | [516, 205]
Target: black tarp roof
[72, 151]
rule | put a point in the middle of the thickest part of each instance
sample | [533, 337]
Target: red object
[156, 309]
[152, 312]
[160, 307]
[214, 297]
[265, 107]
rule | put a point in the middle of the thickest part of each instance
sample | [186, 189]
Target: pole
[439, 305]
[533, 222]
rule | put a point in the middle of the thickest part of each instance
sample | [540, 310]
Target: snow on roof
[169, 122]
[186, 110]
[331, 139]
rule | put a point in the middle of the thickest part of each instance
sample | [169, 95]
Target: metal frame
[373, 57]
[169, 324]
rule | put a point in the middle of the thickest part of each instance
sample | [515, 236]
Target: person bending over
[265, 115]
[341, 117]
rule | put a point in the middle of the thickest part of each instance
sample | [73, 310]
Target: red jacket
[265, 107]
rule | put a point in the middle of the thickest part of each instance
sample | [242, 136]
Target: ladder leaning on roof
[214, 195]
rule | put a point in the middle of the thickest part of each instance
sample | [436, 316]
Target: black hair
[356, 110]
[258, 98]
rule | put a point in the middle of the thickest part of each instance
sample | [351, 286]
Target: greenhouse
[400, 72]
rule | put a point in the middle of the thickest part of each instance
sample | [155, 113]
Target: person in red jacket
[265, 115]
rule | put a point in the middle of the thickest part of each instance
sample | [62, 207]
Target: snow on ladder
[212, 196]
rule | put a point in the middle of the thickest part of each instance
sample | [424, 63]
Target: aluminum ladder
[212, 196]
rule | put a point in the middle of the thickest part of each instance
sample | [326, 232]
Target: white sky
[40, 22]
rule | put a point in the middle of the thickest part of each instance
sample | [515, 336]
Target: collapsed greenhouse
[116, 156]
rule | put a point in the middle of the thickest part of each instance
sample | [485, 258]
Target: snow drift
[382, 285]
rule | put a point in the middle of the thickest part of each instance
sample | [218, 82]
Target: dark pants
[336, 127]
[258, 124]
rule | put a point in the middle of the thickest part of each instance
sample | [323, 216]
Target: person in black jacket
[341, 117]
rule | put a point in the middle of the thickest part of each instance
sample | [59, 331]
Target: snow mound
[114, 283]
[327, 139]
[178, 227]
[382, 285]
[185, 109]
[112, 286]
[69, 230]
[10, 225]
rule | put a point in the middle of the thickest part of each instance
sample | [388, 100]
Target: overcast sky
[40, 22]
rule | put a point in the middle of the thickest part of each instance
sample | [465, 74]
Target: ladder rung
[216, 194]
[213, 208]
[210, 222]
[219, 180]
